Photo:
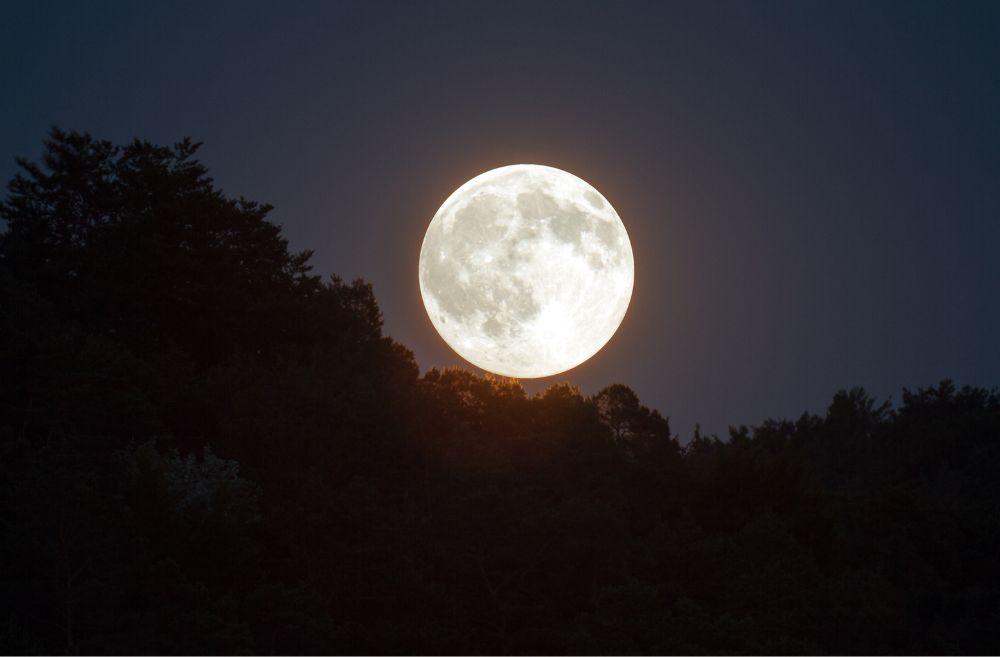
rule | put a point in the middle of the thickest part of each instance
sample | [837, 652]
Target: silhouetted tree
[637, 429]
[205, 448]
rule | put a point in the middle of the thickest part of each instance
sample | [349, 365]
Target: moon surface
[526, 271]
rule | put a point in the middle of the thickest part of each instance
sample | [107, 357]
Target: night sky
[812, 190]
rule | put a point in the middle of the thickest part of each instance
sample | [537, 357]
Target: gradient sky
[812, 190]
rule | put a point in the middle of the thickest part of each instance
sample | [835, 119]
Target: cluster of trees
[206, 448]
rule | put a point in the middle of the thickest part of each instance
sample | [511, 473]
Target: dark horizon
[810, 190]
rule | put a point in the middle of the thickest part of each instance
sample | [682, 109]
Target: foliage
[205, 448]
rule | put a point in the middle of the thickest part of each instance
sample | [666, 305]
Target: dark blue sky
[812, 189]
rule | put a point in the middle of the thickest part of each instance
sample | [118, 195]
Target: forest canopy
[207, 448]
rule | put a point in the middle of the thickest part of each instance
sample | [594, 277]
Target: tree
[136, 243]
[205, 447]
[637, 429]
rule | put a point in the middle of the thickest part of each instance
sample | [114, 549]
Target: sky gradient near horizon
[812, 190]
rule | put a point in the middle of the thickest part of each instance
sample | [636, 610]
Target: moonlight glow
[526, 271]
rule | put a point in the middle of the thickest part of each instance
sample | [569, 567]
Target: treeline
[205, 448]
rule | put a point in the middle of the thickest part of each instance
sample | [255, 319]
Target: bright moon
[526, 271]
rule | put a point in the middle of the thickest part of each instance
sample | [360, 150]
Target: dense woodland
[206, 448]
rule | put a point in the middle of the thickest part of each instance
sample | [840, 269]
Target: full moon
[526, 271]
